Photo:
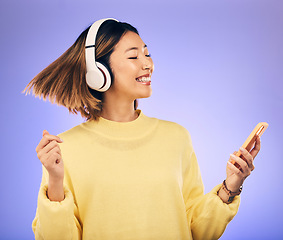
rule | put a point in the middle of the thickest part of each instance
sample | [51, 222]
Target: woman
[121, 174]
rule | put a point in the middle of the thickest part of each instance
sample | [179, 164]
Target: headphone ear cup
[99, 79]
[106, 76]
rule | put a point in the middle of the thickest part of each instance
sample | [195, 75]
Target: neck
[119, 111]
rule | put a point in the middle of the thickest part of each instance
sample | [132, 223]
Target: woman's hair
[63, 81]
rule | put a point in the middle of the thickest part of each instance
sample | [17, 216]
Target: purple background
[218, 72]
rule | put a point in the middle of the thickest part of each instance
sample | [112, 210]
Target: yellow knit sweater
[136, 180]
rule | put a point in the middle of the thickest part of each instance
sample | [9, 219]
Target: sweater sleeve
[207, 214]
[55, 220]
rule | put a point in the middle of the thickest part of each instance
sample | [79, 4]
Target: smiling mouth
[143, 79]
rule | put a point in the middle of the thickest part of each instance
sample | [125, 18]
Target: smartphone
[250, 142]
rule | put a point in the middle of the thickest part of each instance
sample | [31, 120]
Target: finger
[46, 139]
[232, 161]
[245, 155]
[54, 156]
[51, 145]
[45, 132]
[256, 148]
[234, 169]
[50, 158]
[243, 164]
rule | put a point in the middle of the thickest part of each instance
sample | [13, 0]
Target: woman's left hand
[237, 175]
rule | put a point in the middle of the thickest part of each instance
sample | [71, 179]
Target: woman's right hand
[49, 153]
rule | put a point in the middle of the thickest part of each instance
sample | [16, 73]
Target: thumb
[45, 132]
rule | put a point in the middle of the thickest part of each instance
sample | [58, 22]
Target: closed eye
[148, 55]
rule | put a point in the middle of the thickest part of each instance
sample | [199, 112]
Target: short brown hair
[63, 81]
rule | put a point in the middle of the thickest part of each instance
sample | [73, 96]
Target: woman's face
[131, 60]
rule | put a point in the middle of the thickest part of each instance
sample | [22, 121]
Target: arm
[207, 214]
[54, 219]
[55, 190]
[236, 174]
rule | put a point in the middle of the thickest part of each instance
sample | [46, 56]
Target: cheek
[126, 69]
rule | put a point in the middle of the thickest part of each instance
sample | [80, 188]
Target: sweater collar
[135, 129]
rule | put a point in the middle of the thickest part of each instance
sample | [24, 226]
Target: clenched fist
[49, 153]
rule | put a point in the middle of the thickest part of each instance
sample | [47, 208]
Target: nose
[147, 64]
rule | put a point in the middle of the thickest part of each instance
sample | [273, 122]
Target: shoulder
[72, 134]
[175, 129]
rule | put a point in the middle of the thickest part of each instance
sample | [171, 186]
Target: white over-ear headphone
[97, 75]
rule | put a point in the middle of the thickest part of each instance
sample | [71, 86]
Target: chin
[145, 95]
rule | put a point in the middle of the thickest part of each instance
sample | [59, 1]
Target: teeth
[143, 79]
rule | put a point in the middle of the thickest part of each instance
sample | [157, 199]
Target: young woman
[121, 174]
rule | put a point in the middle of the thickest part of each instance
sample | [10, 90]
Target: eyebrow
[135, 48]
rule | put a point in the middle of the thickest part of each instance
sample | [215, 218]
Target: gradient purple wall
[218, 72]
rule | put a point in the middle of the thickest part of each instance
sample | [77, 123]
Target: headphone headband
[97, 76]
[90, 43]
